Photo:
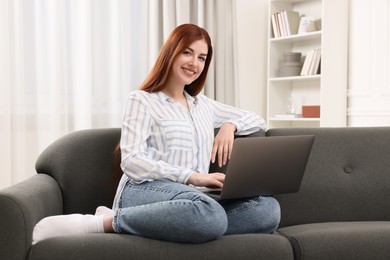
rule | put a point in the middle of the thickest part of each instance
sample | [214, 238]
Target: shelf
[300, 119]
[296, 78]
[328, 89]
[288, 1]
[298, 37]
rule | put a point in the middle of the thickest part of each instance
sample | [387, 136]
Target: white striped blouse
[160, 139]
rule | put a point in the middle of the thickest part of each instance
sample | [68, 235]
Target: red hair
[117, 174]
[179, 39]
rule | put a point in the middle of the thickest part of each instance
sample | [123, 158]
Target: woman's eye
[187, 53]
[202, 58]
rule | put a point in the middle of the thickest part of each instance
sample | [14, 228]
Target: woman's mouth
[189, 72]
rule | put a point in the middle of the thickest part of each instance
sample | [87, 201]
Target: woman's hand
[211, 180]
[223, 144]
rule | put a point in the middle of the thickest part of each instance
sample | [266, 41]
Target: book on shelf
[281, 24]
[275, 25]
[292, 20]
[316, 62]
[285, 23]
[307, 62]
[312, 62]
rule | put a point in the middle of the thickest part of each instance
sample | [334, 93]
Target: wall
[369, 63]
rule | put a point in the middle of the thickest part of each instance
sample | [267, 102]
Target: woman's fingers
[224, 153]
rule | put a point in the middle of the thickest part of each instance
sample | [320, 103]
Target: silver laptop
[264, 166]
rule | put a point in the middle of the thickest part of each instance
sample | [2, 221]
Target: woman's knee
[211, 221]
[216, 220]
[255, 215]
[271, 220]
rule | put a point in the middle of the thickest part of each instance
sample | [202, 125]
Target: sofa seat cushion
[115, 246]
[340, 240]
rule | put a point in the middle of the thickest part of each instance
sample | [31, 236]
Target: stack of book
[285, 23]
[311, 65]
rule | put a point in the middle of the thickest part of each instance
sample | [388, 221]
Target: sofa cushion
[340, 240]
[346, 179]
[116, 246]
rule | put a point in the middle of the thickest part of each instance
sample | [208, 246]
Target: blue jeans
[176, 212]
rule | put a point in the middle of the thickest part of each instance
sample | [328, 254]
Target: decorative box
[310, 111]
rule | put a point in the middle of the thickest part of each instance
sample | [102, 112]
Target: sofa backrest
[347, 177]
[82, 165]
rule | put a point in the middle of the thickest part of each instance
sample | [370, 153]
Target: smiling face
[163, 75]
[189, 64]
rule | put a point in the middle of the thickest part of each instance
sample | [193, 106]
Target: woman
[167, 143]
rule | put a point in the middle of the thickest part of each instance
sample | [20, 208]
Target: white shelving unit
[328, 89]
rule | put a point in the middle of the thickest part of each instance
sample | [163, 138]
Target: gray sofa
[342, 210]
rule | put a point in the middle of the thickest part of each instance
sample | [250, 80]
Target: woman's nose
[193, 62]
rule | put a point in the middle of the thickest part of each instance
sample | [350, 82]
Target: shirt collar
[190, 99]
[161, 95]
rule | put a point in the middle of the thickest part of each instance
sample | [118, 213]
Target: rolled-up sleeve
[246, 122]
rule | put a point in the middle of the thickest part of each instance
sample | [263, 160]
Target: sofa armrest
[22, 206]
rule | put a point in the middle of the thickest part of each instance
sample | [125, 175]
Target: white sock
[67, 225]
[102, 210]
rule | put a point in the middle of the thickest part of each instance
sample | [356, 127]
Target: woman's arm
[246, 122]
[231, 121]
[223, 144]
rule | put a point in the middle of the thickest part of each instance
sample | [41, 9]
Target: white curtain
[67, 65]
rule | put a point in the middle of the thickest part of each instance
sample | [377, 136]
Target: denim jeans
[176, 212]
